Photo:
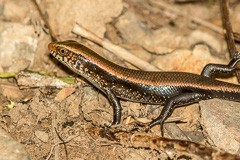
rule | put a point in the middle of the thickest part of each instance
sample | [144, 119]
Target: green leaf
[7, 75]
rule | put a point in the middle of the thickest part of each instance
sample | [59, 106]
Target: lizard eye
[63, 51]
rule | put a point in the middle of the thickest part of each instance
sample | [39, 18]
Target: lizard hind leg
[182, 99]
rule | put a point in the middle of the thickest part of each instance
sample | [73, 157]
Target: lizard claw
[146, 125]
[150, 124]
[236, 55]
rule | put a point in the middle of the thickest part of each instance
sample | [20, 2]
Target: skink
[170, 89]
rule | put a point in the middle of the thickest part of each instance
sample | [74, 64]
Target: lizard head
[64, 51]
[61, 48]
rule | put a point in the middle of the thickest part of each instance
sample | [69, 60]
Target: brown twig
[227, 26]
[229, 33]
[53, 36]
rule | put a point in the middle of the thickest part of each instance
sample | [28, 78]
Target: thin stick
[67, 141]
[228, 27]
[53, 36]
[229, 33]
[55, 140]
[121, 52]
[64, 143]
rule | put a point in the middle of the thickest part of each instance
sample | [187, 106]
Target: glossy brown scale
[168, 88]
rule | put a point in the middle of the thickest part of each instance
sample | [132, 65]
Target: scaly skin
[166, 88]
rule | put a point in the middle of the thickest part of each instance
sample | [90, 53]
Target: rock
[160, 41]
[185, 60]
[132, 33]
[26, 80]
[198, 36]
[164, 41]
[92, 16]
[221, 121]
[18, 50]
[16, 10]
[11, 149]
